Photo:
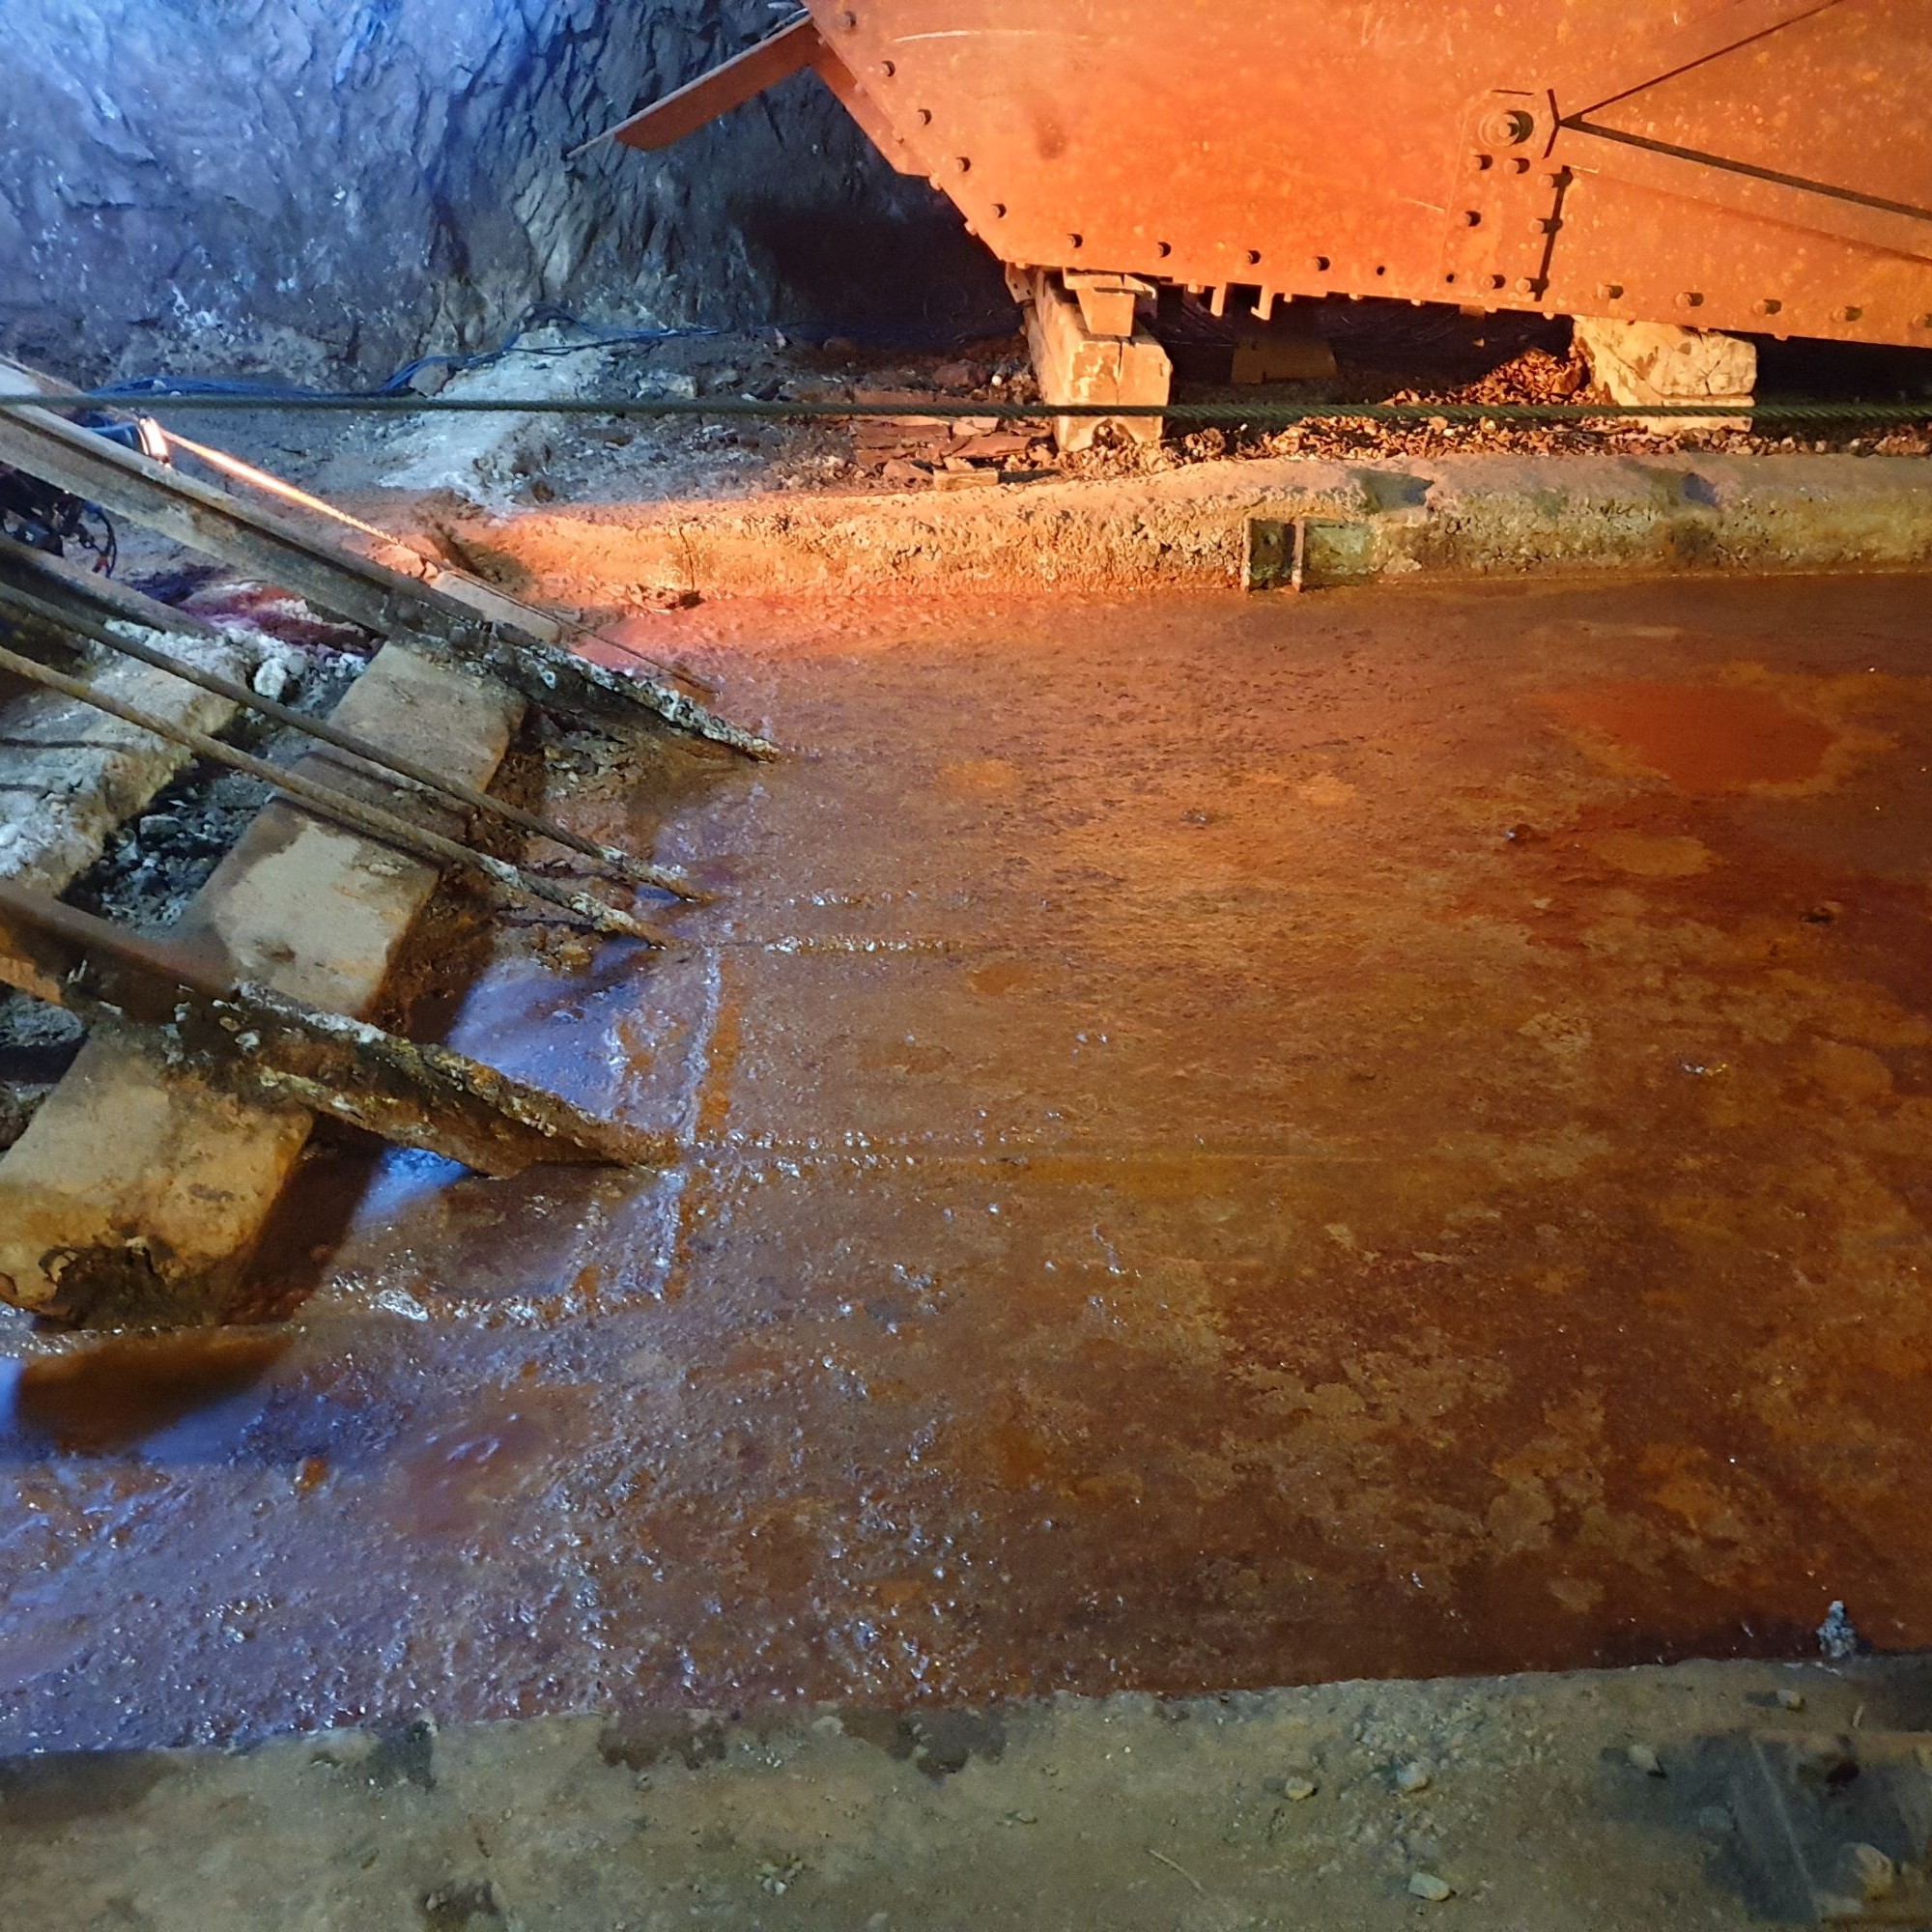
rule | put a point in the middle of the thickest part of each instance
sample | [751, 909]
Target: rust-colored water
[1703, 737]
[1235, 1141]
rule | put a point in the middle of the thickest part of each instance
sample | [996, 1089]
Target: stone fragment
[1644, 1759]
[271, 680]
[1838, 1636]
[1426, 1885]
[1641, 362]
[1872, 1875]
[1413, 1777]
[1299, 1789]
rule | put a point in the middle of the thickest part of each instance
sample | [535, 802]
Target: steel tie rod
[386, 764]
[344, 808]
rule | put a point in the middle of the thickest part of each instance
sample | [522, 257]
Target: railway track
[139, 1189]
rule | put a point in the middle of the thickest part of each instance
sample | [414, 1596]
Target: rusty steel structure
[1744, 165]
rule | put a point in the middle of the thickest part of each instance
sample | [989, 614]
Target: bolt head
[1508, 128]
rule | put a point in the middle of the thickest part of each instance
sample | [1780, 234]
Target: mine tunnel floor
[1236, 1143]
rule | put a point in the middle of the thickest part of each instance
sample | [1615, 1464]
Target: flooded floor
[1234, 1143]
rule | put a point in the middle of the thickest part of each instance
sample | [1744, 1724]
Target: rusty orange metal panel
[1736, 165]
[1745, 164]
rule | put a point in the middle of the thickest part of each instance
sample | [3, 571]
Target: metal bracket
[1504, 200]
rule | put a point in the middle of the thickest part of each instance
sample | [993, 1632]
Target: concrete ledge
[1621, 1802]
[1187, 529]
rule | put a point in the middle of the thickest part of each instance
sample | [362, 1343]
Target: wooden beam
[697, 104]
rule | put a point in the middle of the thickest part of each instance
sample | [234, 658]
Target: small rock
[1296, 1789]
[1426, 1885]
[1871, 1871]
[1838, 1636]
[677, 384]
[1642, 1758]
[1792, 1701]
[1413, 1777]
[271, 680]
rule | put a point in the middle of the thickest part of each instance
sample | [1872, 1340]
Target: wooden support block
[1107, 302]
[1075, 365]
[1288, 350]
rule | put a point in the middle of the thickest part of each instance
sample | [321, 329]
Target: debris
[1413, 1777]
[1792, 1701]
[1161, 1857]
[1644, 1759]
[1872, 1874]
[271, 680]
[674, 384]
[1838, 1636]
[1297, 1789]
[1426, 1885]
[777, 1879]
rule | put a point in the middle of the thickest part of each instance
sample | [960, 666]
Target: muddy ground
[1232, 1142]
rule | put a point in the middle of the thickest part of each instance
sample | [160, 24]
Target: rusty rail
[388, 766]
[358, 814]
[418, 1095]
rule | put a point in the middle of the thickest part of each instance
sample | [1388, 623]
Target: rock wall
[312, 186]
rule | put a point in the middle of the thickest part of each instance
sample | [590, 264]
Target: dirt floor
[1234, 1143]
[437, 473]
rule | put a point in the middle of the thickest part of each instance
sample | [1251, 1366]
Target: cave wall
[315, 188]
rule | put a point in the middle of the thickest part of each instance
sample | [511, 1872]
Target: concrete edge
[1621, 1800]
[1188, 528]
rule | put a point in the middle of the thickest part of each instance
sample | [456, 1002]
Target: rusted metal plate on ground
[1741, 164]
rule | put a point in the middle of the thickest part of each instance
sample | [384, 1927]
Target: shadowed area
[1234, 1142]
